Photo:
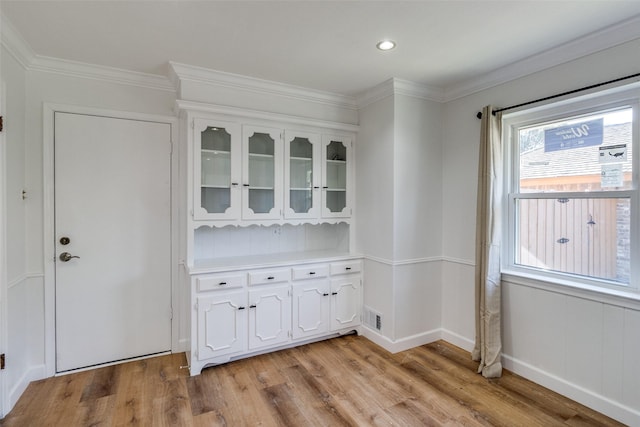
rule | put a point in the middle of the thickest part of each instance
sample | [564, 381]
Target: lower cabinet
[222, 324]
[240, 313]
[269, 316]
[310, 308]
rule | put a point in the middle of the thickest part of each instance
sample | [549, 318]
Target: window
[572, 189]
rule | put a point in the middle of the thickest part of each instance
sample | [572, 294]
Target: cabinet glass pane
[217, 139]
[300, 201]
[215, 169]
[336, 170]
[336, 200]
[260, 200]
[215, 200]
[301, 175]
[261, 172]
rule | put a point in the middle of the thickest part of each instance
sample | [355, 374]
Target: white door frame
[4, 330]
[48, 129]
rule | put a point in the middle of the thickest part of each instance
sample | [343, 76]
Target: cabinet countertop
[268, 260]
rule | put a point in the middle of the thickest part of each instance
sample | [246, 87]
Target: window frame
[593, 103]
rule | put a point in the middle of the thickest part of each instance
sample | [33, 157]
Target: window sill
[621, 298]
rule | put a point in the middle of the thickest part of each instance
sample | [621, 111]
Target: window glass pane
[588, 237]
[579, 154]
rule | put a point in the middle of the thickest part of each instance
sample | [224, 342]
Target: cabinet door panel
[269, 317]
[301, 175]
[222, 324]
[345, 302]
[216, 169]
[336, 177]
[262, 173]
[310, 308]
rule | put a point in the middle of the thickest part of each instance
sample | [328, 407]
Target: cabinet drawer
[310, 271]
[269, 276]
[346, 267]
[221, 282]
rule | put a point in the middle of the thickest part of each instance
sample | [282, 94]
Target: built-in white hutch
[268, 252]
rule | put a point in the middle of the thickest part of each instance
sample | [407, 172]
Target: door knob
[66, 256]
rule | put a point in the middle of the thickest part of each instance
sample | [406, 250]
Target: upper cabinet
[247, 174]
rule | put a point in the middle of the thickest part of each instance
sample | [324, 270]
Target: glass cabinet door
[216, 151]
[262, 188]
[302, 160]
[336, 180]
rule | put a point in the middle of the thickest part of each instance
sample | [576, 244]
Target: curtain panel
[488, 344]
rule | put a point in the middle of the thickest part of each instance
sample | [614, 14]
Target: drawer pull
[311, 273]
[270, 278]
[334, 293]
[348, 268]
[325, 295]
[241, 308]
[222, 283]
[252, 306]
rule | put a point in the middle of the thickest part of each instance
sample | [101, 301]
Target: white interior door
[112, 204]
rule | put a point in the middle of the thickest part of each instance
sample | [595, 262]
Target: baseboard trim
[588, 398]
[403, 343]
[458, 340]
[32, 374]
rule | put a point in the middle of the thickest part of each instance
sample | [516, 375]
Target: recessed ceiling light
[386, 45]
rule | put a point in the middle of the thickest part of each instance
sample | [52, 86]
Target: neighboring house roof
[576, 161]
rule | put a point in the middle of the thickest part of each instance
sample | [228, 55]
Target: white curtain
[488, 345]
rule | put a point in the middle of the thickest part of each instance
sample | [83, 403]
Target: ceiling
[323, 45]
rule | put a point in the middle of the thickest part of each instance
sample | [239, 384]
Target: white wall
[585, 349]
[23, 311]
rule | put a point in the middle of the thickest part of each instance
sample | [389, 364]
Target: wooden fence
[577, 236]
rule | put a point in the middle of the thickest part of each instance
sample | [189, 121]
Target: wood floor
[346, 381]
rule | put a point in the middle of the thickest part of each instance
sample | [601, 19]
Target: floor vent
[372, 319]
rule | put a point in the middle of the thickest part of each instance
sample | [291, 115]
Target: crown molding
[17, 46]
[609, 37]
[207, 108]
[395, 86]
[14, 44]
[99, 72]
[182, 72]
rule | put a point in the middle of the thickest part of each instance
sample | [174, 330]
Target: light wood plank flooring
[346, 381]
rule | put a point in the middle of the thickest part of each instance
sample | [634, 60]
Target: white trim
[182, 72]
[99, 72]
[586, 397]
[458, 340]
[23, 278]
[396, 346]
[5, 403]
[395, 86]
[48, 214]
[603, 295]
[34, 373]
[401, 262]
[202, 107]
[592, 43]
[459, 261]
[14, 43]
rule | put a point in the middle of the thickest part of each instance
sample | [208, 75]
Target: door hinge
[2, 359]
[1, 129]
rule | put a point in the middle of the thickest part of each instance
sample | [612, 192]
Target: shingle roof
[577, 161]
